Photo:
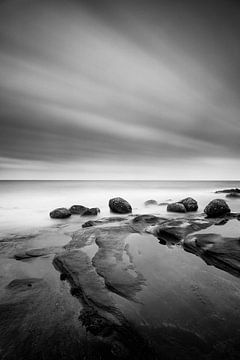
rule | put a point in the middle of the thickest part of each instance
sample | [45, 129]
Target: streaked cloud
[114, 89]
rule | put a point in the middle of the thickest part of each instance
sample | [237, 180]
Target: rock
[33, 253]
[120, 206]
[163, 203]
[174, 231]
[214, 249]
[227, 191]
[60, 213]
[233, 195]
[23, 284]
[176, 207]
[190, 204]
[150, 202]
[91, 212]
[217, 207]
[88, 224]
[77, 209]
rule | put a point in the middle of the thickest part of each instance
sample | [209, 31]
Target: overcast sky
[119, 89]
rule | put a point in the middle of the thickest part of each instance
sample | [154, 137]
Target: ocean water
[26, 204]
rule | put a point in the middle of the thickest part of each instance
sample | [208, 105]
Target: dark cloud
[127, 84]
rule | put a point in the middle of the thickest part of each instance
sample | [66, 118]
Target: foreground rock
[214, 249]
[217, 207]
[176, 207]
[77, 209]
[60, 213]
[120, 206]
[150, 202]
[172, 232]
[190, 204]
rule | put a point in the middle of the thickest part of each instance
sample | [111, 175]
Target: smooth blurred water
[26, 204]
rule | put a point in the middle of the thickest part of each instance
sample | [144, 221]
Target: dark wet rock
[150, 202]
[111, 243]
[217, 207]
[60, 213]
[120, 206]
[77, 209]
[174, 231]
[102, 221]
[95, 323]
[233, 195]
[88, 224]
[23, 284]
[222, 222]
[214, 249]
[227, 191]
[28, 254]
[176, 207]
[190, 204]
[100, 315]
[146, 218]
[91, 212]
[163, 203]
[141, 222]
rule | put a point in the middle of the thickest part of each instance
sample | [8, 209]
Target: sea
[26, 204]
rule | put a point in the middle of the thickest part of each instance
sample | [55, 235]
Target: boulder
[217, 207]
[150, 202]
[91, 211]
[190, 204]
[77, 209]
[120, 206]
[176, 207]
[60, 213]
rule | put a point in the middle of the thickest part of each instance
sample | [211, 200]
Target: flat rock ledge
[97, 280]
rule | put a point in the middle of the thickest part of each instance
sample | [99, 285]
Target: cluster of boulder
[62, 213]
[217, 207]
[117, 205]
[185, 205]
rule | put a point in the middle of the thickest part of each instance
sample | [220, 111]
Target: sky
[120, 89]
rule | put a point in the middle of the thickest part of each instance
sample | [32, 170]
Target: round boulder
[120, 206]
[190, 204]
[217, 207]
[77, 209]
[60, 213]
[150, 202]
[176, 207]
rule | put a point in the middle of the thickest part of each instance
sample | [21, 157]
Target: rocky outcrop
[227, 191]
[150, 202]
[176, 207]
[77, 209]
[174, 231]
[217, 207]
[91, 212]
[120, 206]
[233, 195]
[190, 204]
[60, 213]
[32, 253]
[214, 249]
